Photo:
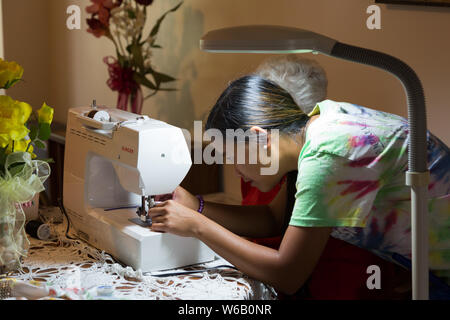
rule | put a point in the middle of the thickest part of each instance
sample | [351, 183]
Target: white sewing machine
[115, 161]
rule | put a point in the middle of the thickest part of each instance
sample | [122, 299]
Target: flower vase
[13, 239]
[133, 101]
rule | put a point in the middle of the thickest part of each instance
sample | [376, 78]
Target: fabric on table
[72, 269]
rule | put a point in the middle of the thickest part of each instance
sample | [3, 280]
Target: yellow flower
[14, 110]
[13, 116]
[10, 73]
[4, 140]
[21, 146]
[12, 130]
[45, 114]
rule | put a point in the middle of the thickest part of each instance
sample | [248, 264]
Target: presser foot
[139, 222]
[144, 220]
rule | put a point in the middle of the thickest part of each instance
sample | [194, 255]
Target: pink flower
[96, 27]
[120, 78]
[102, 9]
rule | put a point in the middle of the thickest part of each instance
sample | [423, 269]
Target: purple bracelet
[202, 203]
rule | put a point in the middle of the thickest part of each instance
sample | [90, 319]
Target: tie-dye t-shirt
[351, 176]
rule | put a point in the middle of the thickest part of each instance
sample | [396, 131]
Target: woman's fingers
[158, 227]
[159, 219]
[157, 211]
[159, 205]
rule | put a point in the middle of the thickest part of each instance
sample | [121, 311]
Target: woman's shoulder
[352, 131]
[360, 113]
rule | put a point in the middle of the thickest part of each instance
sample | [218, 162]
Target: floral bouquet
[21, 174]
[123, 21]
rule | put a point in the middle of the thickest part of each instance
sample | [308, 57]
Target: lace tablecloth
[67, 268]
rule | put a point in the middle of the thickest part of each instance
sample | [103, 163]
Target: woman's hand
[182, 196]
[173, 217]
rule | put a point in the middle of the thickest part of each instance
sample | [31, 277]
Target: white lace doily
[72, 269]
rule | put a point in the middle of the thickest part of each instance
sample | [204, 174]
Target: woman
[351, 164]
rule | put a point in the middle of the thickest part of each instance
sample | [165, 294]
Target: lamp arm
[417, 175]
[417, 157]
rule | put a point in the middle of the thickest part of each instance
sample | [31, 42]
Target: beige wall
[1, 30]
[26, 38]
[2, 52]
[65, 67]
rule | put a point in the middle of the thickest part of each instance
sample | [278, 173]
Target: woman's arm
[285, 269]
[249, 221]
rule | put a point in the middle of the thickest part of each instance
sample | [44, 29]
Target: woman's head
[257, 106]
[252, 101]
[261, 106]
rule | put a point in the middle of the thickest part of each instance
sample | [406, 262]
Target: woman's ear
[262, 135]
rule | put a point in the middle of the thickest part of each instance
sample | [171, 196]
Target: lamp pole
[417, 176]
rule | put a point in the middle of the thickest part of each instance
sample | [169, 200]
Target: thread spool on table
[38, 230]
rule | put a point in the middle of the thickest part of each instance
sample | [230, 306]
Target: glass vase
[132, 102]
[13, 241]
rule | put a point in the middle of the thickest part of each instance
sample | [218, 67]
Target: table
[68, 268]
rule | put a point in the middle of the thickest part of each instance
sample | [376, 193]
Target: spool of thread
[99, 115]
[38, 230]
[105, 291]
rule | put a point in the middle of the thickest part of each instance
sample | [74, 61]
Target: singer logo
[127, 149]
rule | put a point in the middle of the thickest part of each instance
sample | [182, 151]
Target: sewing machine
[115, 162]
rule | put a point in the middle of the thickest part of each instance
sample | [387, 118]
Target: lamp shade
[265, 39]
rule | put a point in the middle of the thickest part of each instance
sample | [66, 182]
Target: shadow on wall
[177, 108]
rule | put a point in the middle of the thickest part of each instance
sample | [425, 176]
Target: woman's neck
[291, 146]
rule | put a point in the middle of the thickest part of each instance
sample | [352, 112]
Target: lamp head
[265, 39]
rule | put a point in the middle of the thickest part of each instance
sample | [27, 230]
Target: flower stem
[28, 146]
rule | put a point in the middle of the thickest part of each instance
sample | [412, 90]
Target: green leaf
[3, 157]
[44, 131]
[34, 130]
[129, 48]
[141, 79]
[155, 29]
[121, 59]
[167, 89]
[9, 84]
[131, 14]
[39, 144]
[162, 78]
[136, 52]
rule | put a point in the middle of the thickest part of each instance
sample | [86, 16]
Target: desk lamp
[285, 40]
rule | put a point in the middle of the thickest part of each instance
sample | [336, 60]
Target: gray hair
[304, 79]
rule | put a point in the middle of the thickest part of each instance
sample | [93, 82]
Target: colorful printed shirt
[351, 176]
